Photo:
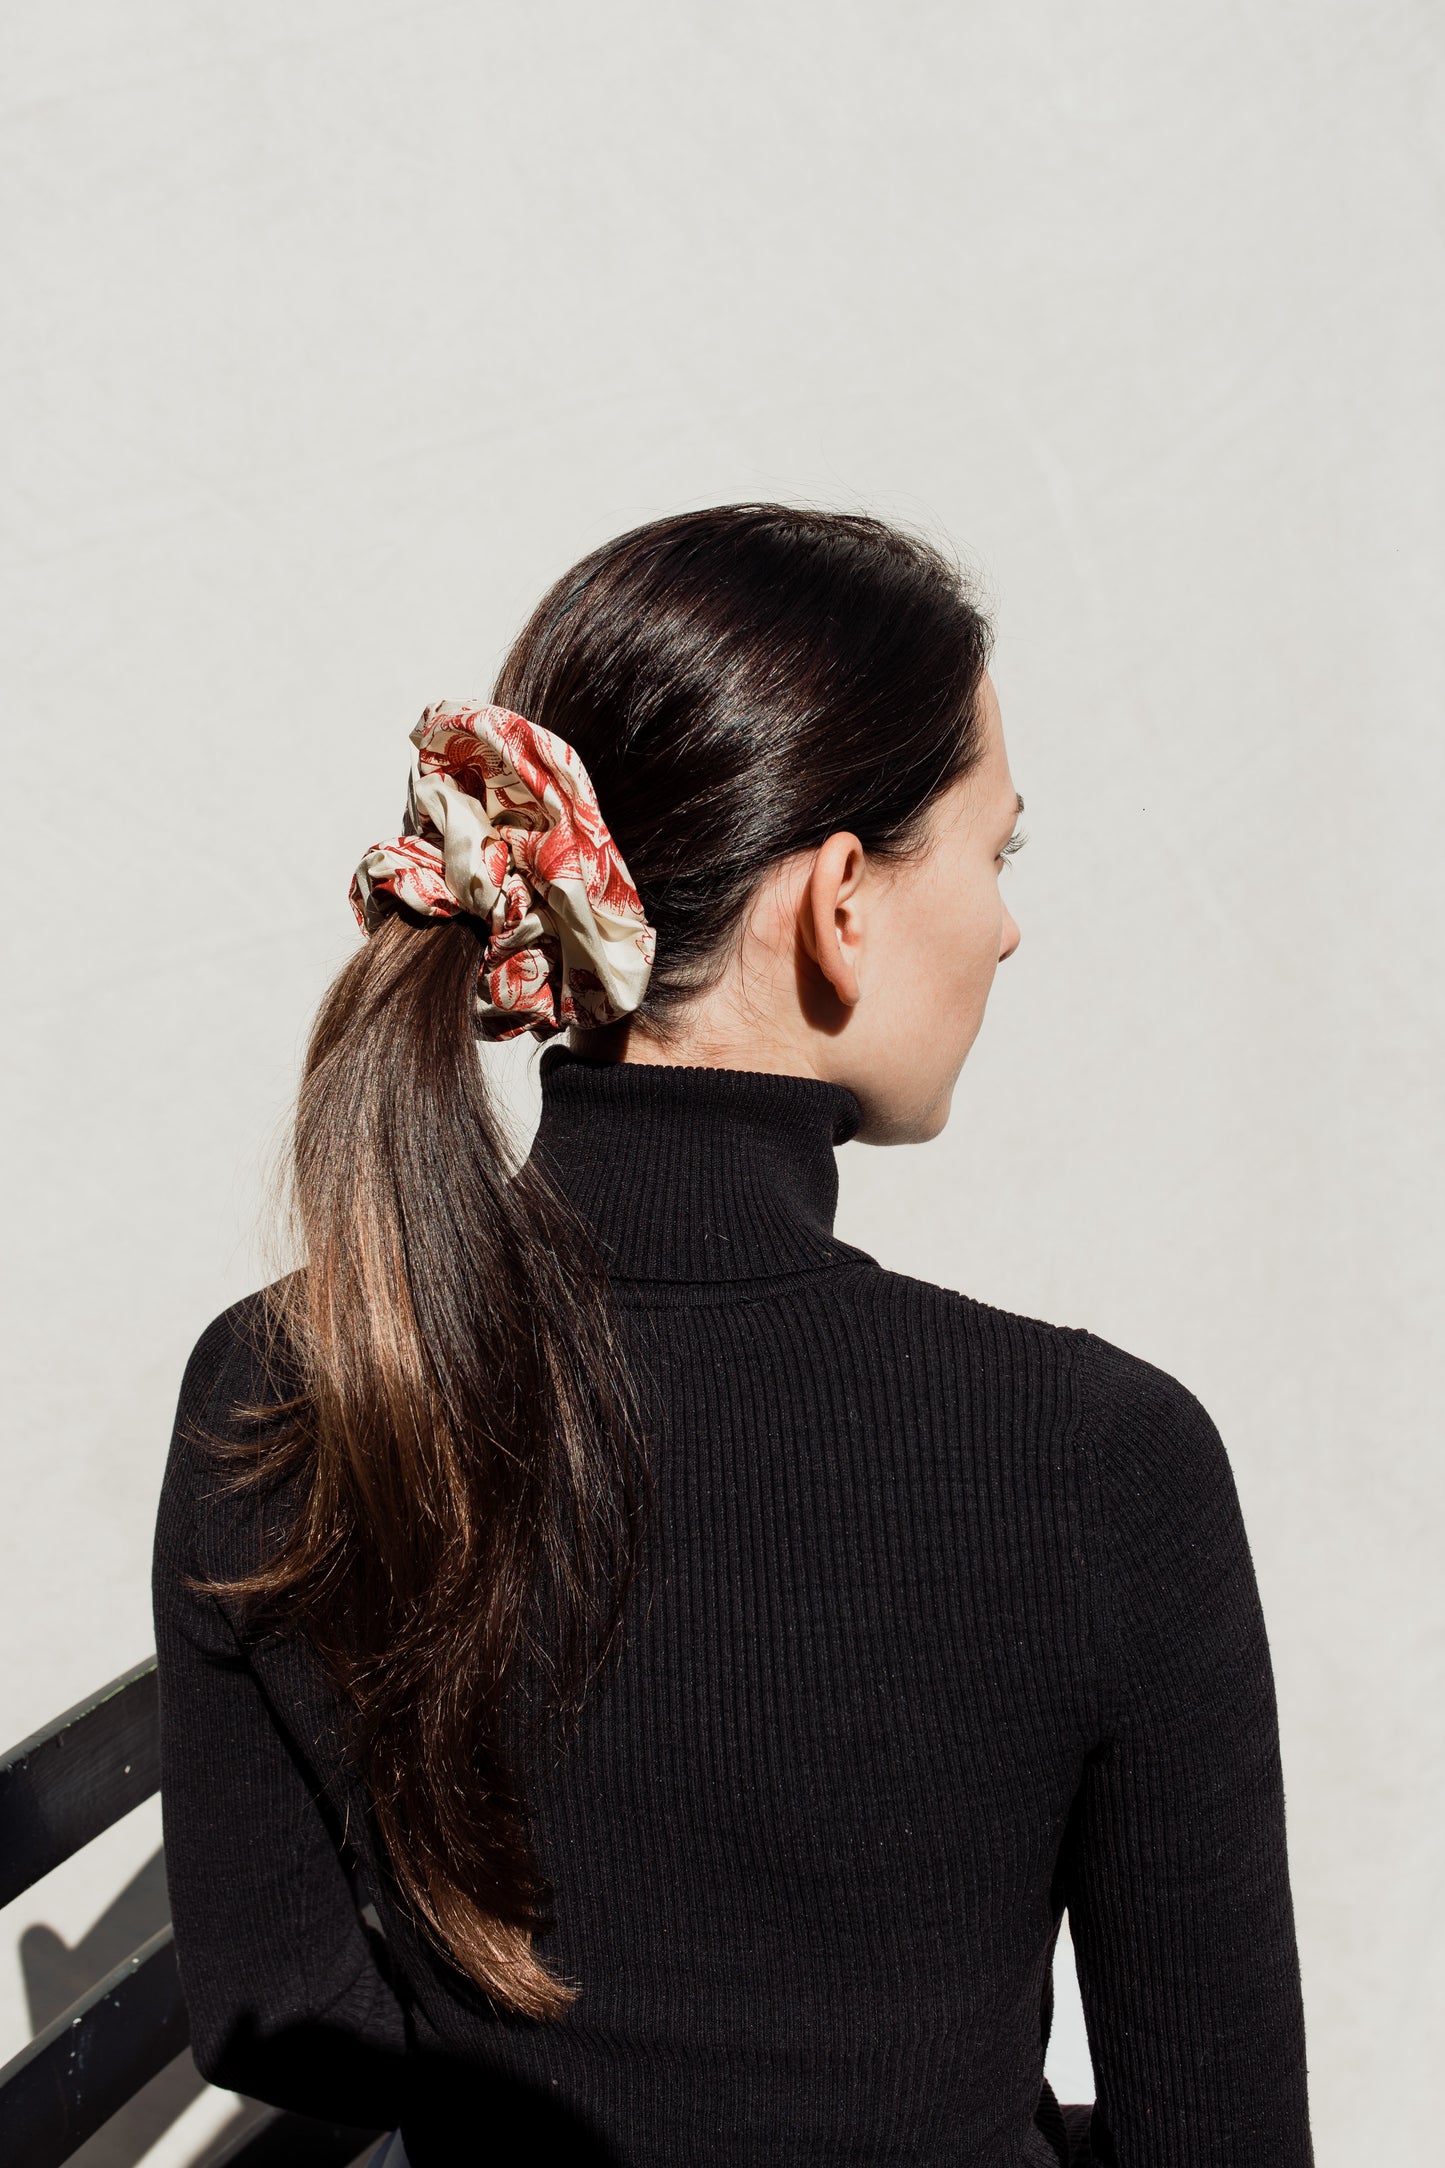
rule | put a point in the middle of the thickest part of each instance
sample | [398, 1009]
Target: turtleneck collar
[696, 1174]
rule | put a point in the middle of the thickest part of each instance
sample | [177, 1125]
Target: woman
[640, 1683]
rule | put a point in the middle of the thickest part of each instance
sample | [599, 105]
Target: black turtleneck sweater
[950, 1624]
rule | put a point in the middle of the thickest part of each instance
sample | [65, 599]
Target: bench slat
[94, 2058]
[67, 1783]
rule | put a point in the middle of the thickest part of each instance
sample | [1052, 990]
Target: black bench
[58, 1790]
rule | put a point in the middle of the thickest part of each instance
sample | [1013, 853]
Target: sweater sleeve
[287, 2000]
[1175, 1871]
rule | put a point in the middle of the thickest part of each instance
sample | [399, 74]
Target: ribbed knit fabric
[949, 1623]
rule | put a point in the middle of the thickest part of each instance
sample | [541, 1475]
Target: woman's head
[746, 686]
[874, 973]
[786, 719]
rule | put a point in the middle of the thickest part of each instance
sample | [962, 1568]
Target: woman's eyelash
[1015, 842]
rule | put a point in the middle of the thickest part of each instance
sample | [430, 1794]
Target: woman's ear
[830, 919]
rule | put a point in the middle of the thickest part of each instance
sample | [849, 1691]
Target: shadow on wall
[56, 1973]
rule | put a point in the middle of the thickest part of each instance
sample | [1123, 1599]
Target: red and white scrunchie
[502, 821]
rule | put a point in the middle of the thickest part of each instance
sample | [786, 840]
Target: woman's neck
[695, 1042]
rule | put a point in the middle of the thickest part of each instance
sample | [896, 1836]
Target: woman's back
[947, 1622]
[718, 1661]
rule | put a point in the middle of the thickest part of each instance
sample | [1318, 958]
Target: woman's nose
[1011, 935]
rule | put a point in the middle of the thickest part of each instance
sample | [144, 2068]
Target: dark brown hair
[464, 1447]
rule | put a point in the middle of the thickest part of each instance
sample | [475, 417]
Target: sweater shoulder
[969, 1315]
[1170, 1559]
[1155, 1444]
[237, 1365]
[979, 1335]
[235, 1359]
[1141, 1429]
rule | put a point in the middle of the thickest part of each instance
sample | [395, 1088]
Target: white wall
[338, 330]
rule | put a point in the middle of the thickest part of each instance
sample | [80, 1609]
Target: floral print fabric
[502, 821]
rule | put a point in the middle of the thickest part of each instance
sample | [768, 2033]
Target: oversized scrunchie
[502, 821]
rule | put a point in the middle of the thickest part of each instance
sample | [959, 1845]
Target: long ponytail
[471, 1470]
[466, 1453]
